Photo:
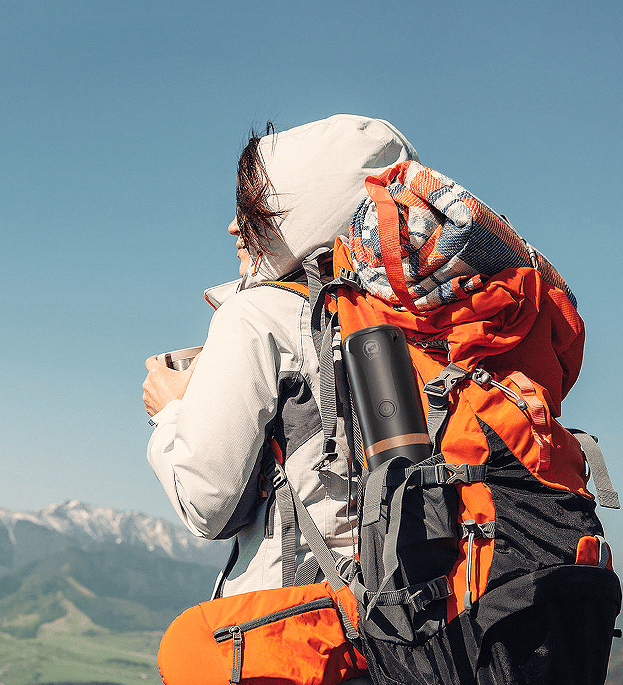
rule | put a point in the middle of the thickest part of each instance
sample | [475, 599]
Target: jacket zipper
[235, 632]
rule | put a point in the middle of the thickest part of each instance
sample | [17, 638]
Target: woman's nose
[233, 228]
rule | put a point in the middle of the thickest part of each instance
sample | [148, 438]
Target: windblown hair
[254, 216]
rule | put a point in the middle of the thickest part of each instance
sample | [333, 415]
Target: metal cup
[179, 360]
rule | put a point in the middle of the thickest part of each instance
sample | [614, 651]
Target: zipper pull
[472, 531]
[236, 669]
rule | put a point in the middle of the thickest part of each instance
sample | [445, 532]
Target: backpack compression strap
[606, 494]
[389, 236]
[318, 546]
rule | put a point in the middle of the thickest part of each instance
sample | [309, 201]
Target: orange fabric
[588, 552]
[540, 426]
[475, 503]
[190, 655]
[287, 285]
[516, 321]
[298, 287]
[302, 289]
[276, 450]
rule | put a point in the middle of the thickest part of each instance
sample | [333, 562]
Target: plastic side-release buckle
[460, 473]
[276, 474]
[438, 588]
[347, 568]
[444, 383]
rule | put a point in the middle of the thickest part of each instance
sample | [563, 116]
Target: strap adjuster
[329, 455]
[436, 589]
[276, 474]
[350, 278]
[440, 587]
[451, 473]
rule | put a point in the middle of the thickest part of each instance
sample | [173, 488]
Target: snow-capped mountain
[27, 536]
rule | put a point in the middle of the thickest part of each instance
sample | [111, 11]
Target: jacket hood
[318, 171]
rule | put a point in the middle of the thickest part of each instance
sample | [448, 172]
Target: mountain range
[86, 592]
[28, 536]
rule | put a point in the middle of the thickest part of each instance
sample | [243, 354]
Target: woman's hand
[163, 384]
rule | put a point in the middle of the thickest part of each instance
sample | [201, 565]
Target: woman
[256, 383]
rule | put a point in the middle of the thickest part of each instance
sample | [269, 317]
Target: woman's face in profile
[242, 254]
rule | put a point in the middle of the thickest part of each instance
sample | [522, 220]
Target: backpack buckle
[440, 587]
[434, 590]
[445, 381]
[458, 473]
[276, 474]
[351, 278]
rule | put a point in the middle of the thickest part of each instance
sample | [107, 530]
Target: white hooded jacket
[257, 377]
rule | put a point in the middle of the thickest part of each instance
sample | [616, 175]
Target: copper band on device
[398, 441]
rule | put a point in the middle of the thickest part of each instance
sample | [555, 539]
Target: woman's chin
[245, 260]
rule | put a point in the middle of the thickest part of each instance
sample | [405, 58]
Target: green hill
[65, 653]
[93, 616]
[117, 587]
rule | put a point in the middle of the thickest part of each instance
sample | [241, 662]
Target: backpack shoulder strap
[326, 559]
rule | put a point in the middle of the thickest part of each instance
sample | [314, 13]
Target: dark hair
[254, 216]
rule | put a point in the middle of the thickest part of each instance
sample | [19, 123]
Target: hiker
[254, 389]
[484, 561]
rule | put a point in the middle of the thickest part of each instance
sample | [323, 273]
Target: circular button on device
[387, 408]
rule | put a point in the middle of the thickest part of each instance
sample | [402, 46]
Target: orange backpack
[487, 558]
[484, 563]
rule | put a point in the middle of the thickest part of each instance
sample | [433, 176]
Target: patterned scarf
[450, 242]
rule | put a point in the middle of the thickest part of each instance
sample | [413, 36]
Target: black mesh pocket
[406, 555]
[552, 626]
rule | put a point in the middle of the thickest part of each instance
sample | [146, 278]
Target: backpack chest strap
[432, 472]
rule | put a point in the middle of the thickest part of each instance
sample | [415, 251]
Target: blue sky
[120, 127]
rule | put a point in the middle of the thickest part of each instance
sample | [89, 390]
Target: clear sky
[120, 126]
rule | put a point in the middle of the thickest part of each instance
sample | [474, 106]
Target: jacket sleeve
[205, 449]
